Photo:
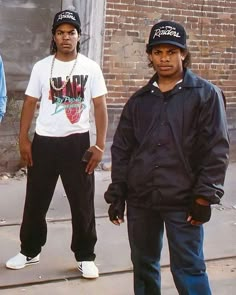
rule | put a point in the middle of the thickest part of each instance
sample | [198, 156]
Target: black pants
[54, 157]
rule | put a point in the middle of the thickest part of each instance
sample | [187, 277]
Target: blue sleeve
[3, 91]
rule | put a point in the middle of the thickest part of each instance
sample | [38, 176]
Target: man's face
[167, 60]
[66, 38]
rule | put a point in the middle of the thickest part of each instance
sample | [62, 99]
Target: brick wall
[211, 28]
[210, 24]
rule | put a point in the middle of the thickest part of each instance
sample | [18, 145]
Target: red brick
[210, 26]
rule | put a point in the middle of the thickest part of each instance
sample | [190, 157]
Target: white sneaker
[88, 269]
[20, 261]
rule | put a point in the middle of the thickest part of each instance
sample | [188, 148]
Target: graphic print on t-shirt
[71, 98]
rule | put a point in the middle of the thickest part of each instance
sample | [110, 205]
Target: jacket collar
[190, 80]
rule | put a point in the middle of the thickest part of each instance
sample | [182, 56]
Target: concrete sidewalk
[57, 271]
[222, 274]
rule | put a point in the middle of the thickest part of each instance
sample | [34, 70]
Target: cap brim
[65, 22]
[167, 42]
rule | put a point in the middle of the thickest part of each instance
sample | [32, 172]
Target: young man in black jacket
[169, 158]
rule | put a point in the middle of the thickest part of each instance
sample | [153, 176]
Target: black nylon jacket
[195, 113]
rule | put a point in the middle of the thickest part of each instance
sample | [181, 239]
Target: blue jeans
[145, 230]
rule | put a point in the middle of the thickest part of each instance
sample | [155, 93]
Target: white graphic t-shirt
[66, 111]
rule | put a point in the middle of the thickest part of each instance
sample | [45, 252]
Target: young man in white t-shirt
[66, 82]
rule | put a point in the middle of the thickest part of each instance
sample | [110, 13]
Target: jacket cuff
[211, 199]
[116, 192]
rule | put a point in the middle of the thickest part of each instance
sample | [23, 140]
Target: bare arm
[101, 121]
[27, 115]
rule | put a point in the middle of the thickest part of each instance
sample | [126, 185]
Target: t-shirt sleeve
[34, 89]
[98, 87]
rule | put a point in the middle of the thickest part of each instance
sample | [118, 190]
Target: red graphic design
[69, 99]
[74, 112]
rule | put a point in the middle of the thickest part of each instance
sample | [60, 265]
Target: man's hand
[116, 212]
[94, 160]
[25, 151]
[200, 212]
[116, 195]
